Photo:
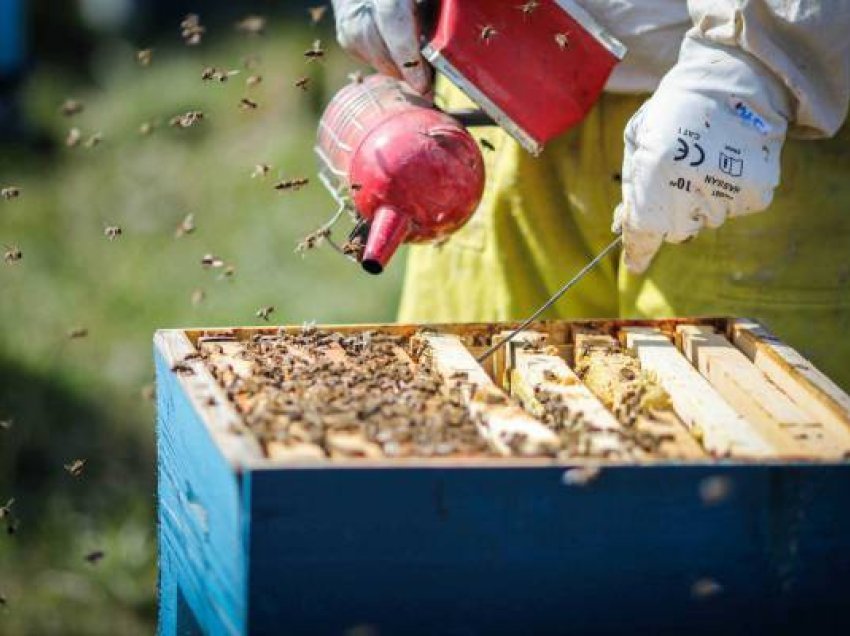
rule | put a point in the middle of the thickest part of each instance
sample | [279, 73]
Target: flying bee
[487, 33]
[261, 170]
[217, 74]
[291, 184]
[210, 261]
[77, 332]
[187, 119]
[248, 104]
[485, 143]
[191, 29]
[71, 107]
[355, 77]
[93, 140]
[7, 424]
[317, 13]
[112, 232]
[252, 25]
[94, 556]
[10, 192]
[302, 83]
[265, 312]
[143, 57]
[562, 40]
[253, 80]
[312, 240]
[354, 247]
[12, 254]
[181, 368]
[75, 468]
[198, 296]
[411, 64]
[6, 509]
[146, 128]
[315, 52]
[529, 7]
[228, 272]
[186, 226]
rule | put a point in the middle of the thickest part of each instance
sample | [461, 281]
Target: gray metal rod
[575, 279]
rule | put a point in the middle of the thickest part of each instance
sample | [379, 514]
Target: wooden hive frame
[812, 397]
[253, 544]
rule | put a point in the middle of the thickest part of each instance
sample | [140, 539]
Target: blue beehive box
[249, 545]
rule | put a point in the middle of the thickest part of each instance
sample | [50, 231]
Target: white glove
[385, 35]
[703, 148]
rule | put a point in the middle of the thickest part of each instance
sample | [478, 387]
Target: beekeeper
[761, 84]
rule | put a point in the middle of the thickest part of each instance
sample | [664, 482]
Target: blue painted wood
[514, 550]
[201, 549]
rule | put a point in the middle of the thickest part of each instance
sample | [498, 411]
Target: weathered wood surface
[721, 430]
[538, 378]
[615, 377]
[808, 387]
[508, 428]
[791, 431]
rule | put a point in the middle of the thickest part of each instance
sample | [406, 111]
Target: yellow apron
[542, 219]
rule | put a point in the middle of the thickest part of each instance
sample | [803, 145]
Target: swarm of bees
[187, 119]
[191, 29]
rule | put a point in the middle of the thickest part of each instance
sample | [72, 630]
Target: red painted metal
[414, 172]
[542, 67]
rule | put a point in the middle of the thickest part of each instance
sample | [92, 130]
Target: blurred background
[78, 309]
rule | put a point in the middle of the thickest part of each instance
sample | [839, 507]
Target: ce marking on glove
[683, 151]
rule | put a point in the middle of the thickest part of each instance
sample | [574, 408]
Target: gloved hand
[703, 148]
[385, 35]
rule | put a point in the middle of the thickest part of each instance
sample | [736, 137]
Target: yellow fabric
[542, 219]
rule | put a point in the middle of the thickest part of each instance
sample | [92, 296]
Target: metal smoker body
[412, 172]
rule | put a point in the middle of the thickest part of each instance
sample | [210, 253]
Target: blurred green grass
[83, 397]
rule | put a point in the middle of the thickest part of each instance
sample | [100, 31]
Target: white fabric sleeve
[804, 43]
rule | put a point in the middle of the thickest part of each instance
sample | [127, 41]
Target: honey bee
[198, 296]
[485, 143]
[6, 509]
[93, 140]
[302, 83]
[252, 25]
[112, 232]
[562, 40]
[191, 29]
[253, 80]
[77, 332]
[12, 254]
[143, 57]
[291, 184]
[317, 13]
[217, 74]
[312, 240]
[71, 107]
[248, 104]
[411, 64]
[315, 52]
[187, 119]
[94, 556]
[181, 368]
[75, 468]
[487, 33]
[265, 312]
[228, 272]
[7, 424]
[529, 7]
[261, 170]
[210, 261]
[186, 226]
[10, 192]
[146, 128]
[355, 77]
[73, 138]
[354, 248]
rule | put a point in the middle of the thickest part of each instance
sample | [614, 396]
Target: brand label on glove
[748, 116]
